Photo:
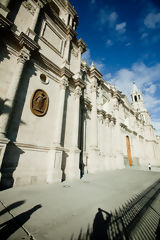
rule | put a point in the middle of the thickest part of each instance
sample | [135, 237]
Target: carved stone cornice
[82, 45]
[113, 119]
[71, 8]
[5, 23]
[108, 116]
[66, 72]
[95, 73]
[87, 104]
[70, 31]
[79, 82]
[101, 113]
[64, 82]
[24, 55]
[140, 136]
[24, 40]
[135, 133]
[122, 125]
[116, 95]
[49, 64]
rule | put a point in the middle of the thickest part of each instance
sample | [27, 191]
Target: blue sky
[123, 38]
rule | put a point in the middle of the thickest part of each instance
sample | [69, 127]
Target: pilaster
[37, 7]
[74, 155]
[24, 56]
[56, 152]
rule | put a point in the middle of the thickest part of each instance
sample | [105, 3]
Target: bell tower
[138, 104]
[137, 99]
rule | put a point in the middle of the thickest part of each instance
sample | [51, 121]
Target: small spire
[134, 89]
[92, 65]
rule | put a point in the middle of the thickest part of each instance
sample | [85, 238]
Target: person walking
[149, 167]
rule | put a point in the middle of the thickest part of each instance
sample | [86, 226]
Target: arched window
[135, 98]
[139, 97]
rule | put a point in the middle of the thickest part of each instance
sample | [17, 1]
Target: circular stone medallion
[39, 102]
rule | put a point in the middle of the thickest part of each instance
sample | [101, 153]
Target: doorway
[129, 151]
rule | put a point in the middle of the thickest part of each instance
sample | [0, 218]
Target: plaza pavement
[60, 210]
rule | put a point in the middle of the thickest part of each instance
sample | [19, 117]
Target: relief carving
[27, 4]
[39, 103]
[75, 52]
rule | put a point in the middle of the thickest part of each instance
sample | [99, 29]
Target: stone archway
[129, 150]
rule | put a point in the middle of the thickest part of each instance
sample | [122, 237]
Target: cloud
[152, 20]
[144, 35]
[93, 1]
[128, 44]
[156, 125]
[121, 27]
[103, 16]
[99, 65]
[112, 18]
[107, 17]
[109, 43]
[145, 78]
[107, 76]
[87, 57]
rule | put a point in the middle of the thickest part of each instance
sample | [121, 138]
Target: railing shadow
[120, 224]
[11, 206]
[11, 226]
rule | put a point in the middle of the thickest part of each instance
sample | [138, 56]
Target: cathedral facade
[59, 119]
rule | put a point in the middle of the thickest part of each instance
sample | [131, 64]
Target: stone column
[56, 153]
[59, 122]
[67, 51]
[30, 31]
[77, 94]
[94, 127]
[73, 170]
[35, 17]
[112, 144]
[4, 118]
[94, 158]
[101, 140]
[107, 142]
[119, 162]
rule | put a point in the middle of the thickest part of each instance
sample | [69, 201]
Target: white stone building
[59, 119]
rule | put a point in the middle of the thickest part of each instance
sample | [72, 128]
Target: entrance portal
[129, 151]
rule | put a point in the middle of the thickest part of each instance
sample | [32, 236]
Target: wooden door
[129, 151]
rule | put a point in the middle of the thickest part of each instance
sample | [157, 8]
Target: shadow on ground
[11, 226]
